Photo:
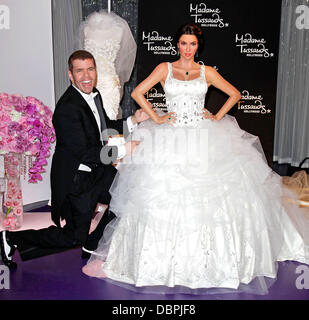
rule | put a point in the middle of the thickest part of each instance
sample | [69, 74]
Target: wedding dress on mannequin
[108, 37]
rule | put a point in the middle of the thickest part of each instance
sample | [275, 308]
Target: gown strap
[170, 71]
[202, 71]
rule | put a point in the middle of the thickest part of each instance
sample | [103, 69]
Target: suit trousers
[88, 188]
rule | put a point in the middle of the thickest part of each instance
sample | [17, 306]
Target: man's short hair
[80, 55]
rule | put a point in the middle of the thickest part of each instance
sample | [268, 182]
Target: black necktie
[100, 111]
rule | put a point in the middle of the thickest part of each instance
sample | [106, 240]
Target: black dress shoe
[95, 236]
[7, 251]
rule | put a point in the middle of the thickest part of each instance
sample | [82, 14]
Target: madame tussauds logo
[252, 47]
[207, 17]
[4, 17]
[158, 44]
[157, 99]
[250, 103]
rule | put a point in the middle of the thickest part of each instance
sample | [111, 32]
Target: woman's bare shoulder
[162, 65]
[162, 69]
[210, 69]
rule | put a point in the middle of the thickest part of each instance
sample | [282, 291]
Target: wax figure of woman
[198, 208]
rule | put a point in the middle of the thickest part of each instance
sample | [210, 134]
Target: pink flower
[3, 95]
[7, 108]
[33, 100]
[4, 99]
[20, 127]
[41, 162]
[12, 126]
[37, 176]
[19, 107]
[34, 149]
[37, 124]
[45, 140]
[33, 170]
[32, 134]
[18, 212]
[30, 120]
[19, 148]
[48, 113]
[15, 99]
[3, 131]
[30, 109]
[4, 117]
[9, 223]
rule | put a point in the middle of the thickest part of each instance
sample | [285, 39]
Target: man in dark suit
[82, 168]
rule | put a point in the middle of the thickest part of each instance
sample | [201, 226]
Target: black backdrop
[241, 42]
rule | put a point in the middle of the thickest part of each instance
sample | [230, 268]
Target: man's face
[83, 75]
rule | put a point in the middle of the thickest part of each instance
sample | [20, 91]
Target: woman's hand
[169, 118]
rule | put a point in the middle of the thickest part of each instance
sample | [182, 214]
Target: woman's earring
[196, 54]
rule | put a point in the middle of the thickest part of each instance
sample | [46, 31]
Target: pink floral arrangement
[26, 127]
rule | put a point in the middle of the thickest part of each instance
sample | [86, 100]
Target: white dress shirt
[89, 98]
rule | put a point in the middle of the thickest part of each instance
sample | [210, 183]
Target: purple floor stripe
[59, 277]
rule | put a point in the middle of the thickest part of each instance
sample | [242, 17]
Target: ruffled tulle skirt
[198, 211]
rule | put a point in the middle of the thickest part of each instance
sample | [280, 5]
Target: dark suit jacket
[77, 141]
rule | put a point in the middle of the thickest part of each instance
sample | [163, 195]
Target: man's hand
[139, 116]
[131, 146]
[208, 115]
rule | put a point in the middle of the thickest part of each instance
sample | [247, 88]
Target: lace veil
[108, 37]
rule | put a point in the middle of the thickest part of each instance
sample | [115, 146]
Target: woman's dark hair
[192, 29]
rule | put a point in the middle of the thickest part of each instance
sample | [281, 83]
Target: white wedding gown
[198, 209]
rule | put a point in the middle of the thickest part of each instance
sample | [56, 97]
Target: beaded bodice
[185, 98]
